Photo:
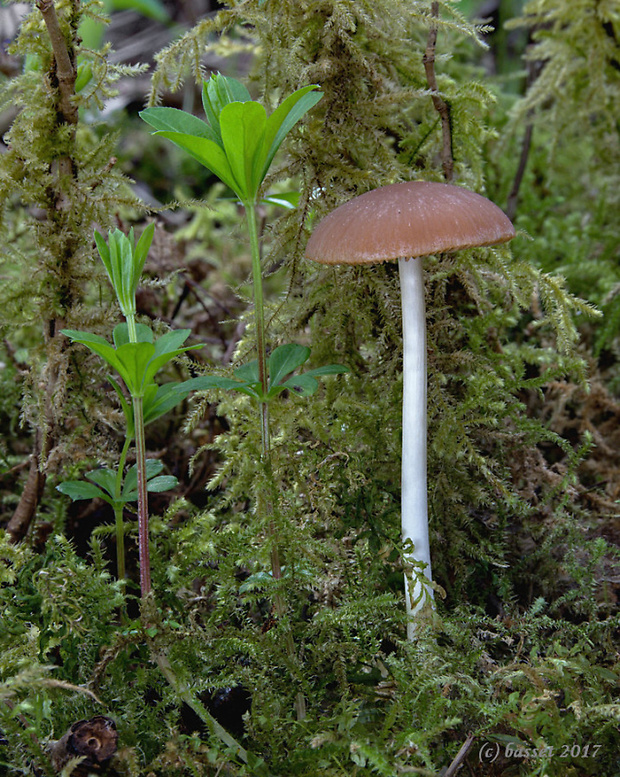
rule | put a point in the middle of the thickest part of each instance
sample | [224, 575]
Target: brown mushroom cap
[407, 220]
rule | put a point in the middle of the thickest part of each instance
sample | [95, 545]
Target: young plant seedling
[137, 357]
[238, 142]
[109, 485]
[282, 361]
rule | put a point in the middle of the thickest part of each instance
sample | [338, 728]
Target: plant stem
[118, 512]
[131, 328]
[259, 318]
[267, 498]
[143, 510]
[259, 314]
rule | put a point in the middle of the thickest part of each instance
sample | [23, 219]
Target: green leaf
[174, 120]
[304, 385]
[105, 478]
[243, 130]
[288, 200]
[79, 489]
[284, 359]
[237, 142]
[158, 400]
[248, 373]
[218, 92]
[120, 335]
[130, 486]
[135, 360]
[162, 483]
[87, 338]
[126, 407]
[172, 341]
[97, 345]
[329, 369]
[120, 270]
[209, 382]
[140, 252]
[152, 9]
[209, 154]
[124, 263]
[284, 118]
[104, 252]
[166, 349]
[84, 75]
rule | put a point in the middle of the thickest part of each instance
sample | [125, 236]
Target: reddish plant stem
[143, 508]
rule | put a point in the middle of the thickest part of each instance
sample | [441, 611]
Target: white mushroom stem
[414, 510]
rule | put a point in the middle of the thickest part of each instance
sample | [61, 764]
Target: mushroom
[404, 221]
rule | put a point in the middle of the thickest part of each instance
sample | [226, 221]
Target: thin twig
[460, 756]
[533, 70]
[441, 106]
[513, 197]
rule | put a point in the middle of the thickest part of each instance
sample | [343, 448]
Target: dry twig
[441, 106]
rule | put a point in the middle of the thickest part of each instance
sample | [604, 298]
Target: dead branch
[65, 70]
[21, 519]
